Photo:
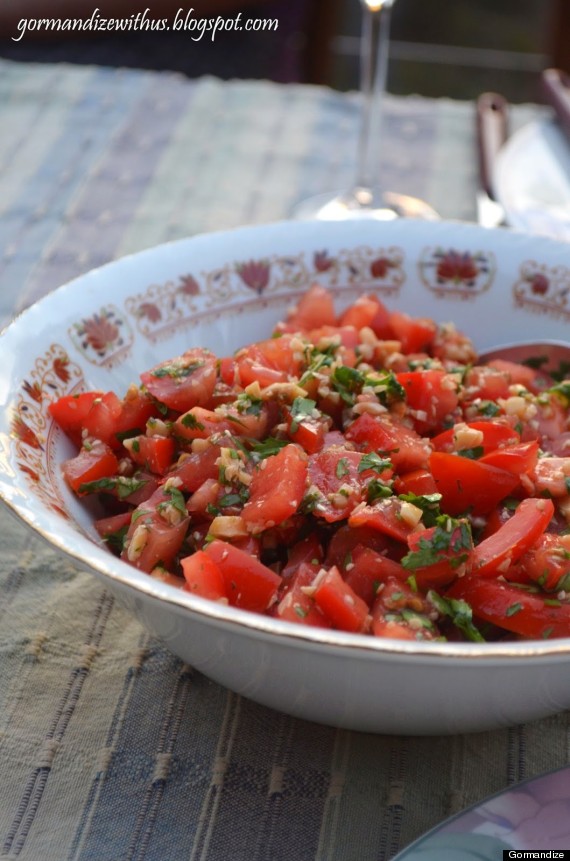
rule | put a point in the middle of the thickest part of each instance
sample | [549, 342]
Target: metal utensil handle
[492, 132]
[556, 91]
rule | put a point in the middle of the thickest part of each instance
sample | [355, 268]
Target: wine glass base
[364, 203]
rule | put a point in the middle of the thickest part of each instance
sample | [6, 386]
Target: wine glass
[367, 198]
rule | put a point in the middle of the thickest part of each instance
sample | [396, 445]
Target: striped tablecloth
[110, 748]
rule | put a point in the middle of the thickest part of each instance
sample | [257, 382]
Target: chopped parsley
[120, 485]
[373, 461]
[189, 420]
[268, 447]
[342, 468]
[301, 409]
[176, 371]
[347, 382]
[460, 614]
[428, 503]
[450, 539]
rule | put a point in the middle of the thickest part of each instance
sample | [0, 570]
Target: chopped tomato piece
[158, 528]
[385, 516]
[439, 554]
[249, 584]
[431, 396]
[297, 605]
[368, 311]
[70, 411]
[337, 482]
[518, 459]
[418, 481]
[548, 562]
[203, 577]
[277, 488]
[405, 448]
[468, 485]
[153, 452]
[184, 382]
[339, 603]
[368, 570]
[415, 333]
[486, 435]
[94, 462]
[314, 308]
[520, 611]
[506, 546]
[308, 551]
[401, 613]
[101, 420]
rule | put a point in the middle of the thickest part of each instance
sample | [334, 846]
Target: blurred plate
[532, 815]
[532, 180]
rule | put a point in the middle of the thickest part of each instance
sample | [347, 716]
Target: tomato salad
[357, 471]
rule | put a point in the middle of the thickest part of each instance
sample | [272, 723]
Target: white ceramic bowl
[221, 291]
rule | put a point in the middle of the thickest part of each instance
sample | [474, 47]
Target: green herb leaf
[473, 453]
[372, 460]
[301, 408]
[342, 468]
[451, 539]
[268, 447]
[428, 503]
[190, 421]
[176, 371]
[460, 614]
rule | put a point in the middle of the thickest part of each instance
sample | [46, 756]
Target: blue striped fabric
[111, 749]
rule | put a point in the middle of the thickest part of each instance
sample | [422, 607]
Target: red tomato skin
[332, 470]
[136, 409]
[414, 333]
[495, 435]
[339, 603]
[91, 464]
[249, 584]
[524, 613]
[108, 525]
[347, 538]
[548, 562]
[249, 371]
[513, 538]
[469, 485]
[163, 539]
[153, 452]
[431, 397]
[518, 374]
[310, 434]
[308, 550]
[418, 481]
[277, 488]
[314, 308]
[101, 420]
[446, 569]
[194, 468]
[368, 311]
[184, 382]
[519, 459]
[396, 595]
[405, 448]
[385, 516]
[203, 577]
[70, 411]
[368, 569]
[296, 605]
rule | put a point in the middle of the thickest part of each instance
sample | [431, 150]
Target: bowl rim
[91, 556]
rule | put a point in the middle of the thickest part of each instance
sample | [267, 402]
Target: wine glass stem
[374, 46]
